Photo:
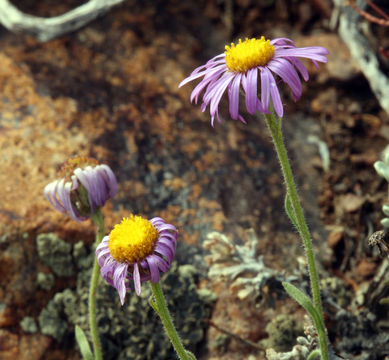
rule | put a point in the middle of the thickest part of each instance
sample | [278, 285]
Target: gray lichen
[80, 256]
[220, 342]
[132, 331]
[55, 253]
[51, 319]
[305, 344]
[240, 265]
[207, 296]
[358, 334]
[29, 325]
[141, 333]
[334, 290]
[283, 331]
[45, 281]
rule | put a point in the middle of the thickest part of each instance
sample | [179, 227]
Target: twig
[384, 52]
[362, 52]
[370, 17]
[49, 28]
[236, 337]
[377, 9]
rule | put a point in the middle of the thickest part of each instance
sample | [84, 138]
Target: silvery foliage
[239, 264]
[305, 346]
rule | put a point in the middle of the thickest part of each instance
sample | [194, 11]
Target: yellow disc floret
[132, 240]
[248, 54]
[67, 169]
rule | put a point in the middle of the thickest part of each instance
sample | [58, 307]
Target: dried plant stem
[275, 127]
[236, 337]
[370, 17]
[377, 9]
[97, 218]
[49, 28]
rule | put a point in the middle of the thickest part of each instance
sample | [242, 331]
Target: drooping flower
[136, 250]
[250, 64]
[83, 186]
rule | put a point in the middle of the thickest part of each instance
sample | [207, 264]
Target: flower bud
[83, 186]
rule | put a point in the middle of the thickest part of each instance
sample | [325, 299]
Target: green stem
[98, 220]
[160, 307]
[276, 133]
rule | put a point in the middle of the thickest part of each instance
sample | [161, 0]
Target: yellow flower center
[67, 169]
[132, 240]
[248, 54]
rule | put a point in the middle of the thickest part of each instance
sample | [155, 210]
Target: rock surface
[110, 91]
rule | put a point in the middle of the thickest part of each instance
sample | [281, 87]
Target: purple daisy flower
[136, 250]
[84, 186]
[240, 65]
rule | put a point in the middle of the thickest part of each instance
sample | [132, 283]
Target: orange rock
[27, 347]
[9, 345]
[7, 316]
[32, 347]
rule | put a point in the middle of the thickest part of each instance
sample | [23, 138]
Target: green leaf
[314, 354]
[190, 355]
[290, 211]
[385, 222]
[306, 303]
[83, 344]
[385, 209]
[153, 304]
[382, 169]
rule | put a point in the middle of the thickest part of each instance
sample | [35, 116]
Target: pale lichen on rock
[55, 253]
[283, 331]
[132, 331]
[45, 281]
[28, 324]
[239, 264]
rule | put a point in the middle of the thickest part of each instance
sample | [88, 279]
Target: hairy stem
[160, 307]
[98, 220]
[276, 133]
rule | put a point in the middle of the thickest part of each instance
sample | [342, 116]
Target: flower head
[83, 186]
[250, 64]
[136, 250]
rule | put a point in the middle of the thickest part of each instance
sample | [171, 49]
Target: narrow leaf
[83, 344]
[154, 305]
[190, 355]
[290, 211]
[314, 355]
[306, 303]
[385, 222]
[385, 209]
